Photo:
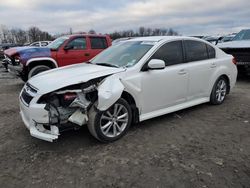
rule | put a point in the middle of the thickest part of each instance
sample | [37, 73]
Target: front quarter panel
[109, 92]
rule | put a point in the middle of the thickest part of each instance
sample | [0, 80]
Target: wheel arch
[131, 101]
[41, 61]
[228, 81]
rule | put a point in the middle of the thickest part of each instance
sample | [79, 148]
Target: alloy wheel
[221, 90]
[114, 121]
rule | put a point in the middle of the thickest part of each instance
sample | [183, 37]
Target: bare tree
[34, 34]
[141, 31]
[20, 36]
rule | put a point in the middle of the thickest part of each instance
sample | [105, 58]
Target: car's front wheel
[112, 124]
[219, 91]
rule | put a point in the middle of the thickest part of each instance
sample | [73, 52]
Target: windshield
[57, 43]
[124, 54]
[243, 35]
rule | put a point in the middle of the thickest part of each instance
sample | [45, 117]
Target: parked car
[239, 47]
[227, 38]
[132, 81]
[212, 39]
[40, 43]
[26, 62]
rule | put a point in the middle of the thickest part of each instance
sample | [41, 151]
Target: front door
[167, 87]
[77, 52]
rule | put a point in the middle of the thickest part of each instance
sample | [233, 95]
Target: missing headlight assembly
[70, 104]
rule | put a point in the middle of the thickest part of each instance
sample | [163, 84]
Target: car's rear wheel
[219, 91]
[111, 124]
[37, 69]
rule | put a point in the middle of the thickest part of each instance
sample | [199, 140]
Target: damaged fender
[109, 92]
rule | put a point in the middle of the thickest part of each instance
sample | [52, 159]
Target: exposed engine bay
[71, 104]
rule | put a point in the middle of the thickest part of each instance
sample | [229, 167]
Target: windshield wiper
[107, 64]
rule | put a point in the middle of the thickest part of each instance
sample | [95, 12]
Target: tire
[106, 125]
[219, 92]
[24, 78]
[37, 69]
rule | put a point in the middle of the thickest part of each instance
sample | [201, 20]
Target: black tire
[37, 69]
[94, 123]
[214, 97]
[24, 78]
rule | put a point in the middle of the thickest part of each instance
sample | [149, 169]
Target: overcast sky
[188, 17]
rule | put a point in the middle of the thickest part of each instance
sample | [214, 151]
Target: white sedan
[133, 81]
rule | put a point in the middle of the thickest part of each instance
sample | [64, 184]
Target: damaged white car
[135, 80]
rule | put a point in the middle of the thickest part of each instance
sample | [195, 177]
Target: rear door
[201, 64]
[78, 52]
[97, 44]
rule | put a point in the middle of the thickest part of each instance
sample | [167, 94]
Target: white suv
[133, 81]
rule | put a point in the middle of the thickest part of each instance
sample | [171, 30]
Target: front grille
[31, 88]
[26, 97]
[9, 59]
[28, 93]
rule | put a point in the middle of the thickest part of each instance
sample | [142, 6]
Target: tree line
[144, 31]
[33, 34]
[21, 36]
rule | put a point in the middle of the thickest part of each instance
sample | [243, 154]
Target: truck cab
[26, 62]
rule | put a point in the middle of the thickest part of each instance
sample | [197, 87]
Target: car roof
[160, 38]
[85, 35]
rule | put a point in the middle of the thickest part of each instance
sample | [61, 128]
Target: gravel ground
[203, 146]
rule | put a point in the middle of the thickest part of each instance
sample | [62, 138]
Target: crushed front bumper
[35, 117]
[5, 64]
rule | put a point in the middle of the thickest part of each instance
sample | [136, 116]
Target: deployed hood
[235, 44]
[62, 77]
[28, 52]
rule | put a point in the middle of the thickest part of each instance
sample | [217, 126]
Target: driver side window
[171, 53]
[77, 44]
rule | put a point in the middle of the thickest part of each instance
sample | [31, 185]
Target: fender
[109, 92]
[42, 59]
[221, 71]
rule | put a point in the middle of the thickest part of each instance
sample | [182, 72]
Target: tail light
[234, 61]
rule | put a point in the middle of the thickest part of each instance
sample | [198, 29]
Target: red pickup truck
[26, 62]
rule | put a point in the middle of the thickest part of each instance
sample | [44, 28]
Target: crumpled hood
[28, 52]
[235, 44]
[58, 78]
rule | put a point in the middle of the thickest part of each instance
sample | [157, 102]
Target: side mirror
[156, 64]
[68, 47]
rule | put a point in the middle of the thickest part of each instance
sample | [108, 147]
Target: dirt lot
[204, 146]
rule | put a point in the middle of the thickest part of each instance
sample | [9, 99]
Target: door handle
[213, 65]
[182, 72]
[87, 54]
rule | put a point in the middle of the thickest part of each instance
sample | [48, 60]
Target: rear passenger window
[211, 52]
[170, 52]
[98, 42]
[195, 50]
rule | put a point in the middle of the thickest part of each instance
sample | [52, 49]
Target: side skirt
[173, 108]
